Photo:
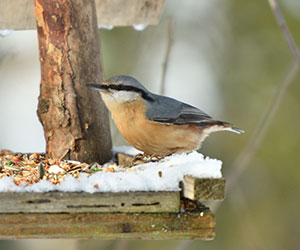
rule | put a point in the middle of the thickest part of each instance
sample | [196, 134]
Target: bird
[156, 124]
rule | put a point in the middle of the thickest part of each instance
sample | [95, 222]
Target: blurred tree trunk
[74, 118]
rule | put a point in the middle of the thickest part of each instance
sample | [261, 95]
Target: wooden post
[74, 118]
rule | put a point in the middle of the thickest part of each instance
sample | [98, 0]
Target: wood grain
[203, 188]
[78, 202]
[19, 14]
[196, 225]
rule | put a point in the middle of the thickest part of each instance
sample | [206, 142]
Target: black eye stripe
[128, 88]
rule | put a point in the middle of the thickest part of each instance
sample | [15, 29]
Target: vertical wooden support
[74, 118]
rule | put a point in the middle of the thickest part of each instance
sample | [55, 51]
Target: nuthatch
[155, 124]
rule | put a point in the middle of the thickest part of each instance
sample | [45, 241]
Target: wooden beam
[193, 225]
[129, 12]
[203, 188]
[79, 202]
[19, 14]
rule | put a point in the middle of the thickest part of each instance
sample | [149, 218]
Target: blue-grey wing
[167, 110]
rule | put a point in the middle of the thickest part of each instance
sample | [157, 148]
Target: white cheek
[124, 96]
[107, 98]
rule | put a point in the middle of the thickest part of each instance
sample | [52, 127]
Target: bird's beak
[101, 87]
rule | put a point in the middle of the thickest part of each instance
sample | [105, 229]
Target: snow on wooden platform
[164, 175]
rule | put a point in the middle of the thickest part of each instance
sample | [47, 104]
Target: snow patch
[4, 33]
[164, 175]
[140, 27]
[106, 27]
[54, 169]
[127, 150]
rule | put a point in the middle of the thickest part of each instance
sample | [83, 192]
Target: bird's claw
[145, 158]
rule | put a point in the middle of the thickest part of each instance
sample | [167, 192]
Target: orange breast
[153, 137]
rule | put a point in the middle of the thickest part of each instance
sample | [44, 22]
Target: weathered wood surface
[74, 118]
[19, 14]
[79, 202]
[203, 188]
[196, 225]
[128, 12]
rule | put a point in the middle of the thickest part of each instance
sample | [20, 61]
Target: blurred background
[227, 57]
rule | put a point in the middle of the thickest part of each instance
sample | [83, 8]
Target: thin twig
[285, 30]
[244, 158]
[183, 244]
[166, 58]
[246, 155]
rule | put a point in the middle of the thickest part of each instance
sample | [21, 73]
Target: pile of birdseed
[27, 169]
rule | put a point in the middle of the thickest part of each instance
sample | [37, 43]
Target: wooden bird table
[130, 215]
[70, 57]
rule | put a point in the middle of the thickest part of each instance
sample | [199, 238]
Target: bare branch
[244, 158]
[285, 30]
[166, 58]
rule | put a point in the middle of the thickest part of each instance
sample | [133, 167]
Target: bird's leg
[156, 157]
[138, 159]
[145, 158]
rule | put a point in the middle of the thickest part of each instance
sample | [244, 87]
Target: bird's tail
[215, 126]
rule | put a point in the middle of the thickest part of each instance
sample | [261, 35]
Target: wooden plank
[128, 12]
[79, 202]
[19, 14]
[203, 188]
[196, 225]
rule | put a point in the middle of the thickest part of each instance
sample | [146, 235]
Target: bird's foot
[145, 158]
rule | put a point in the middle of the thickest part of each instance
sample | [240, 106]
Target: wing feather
[169, 110]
